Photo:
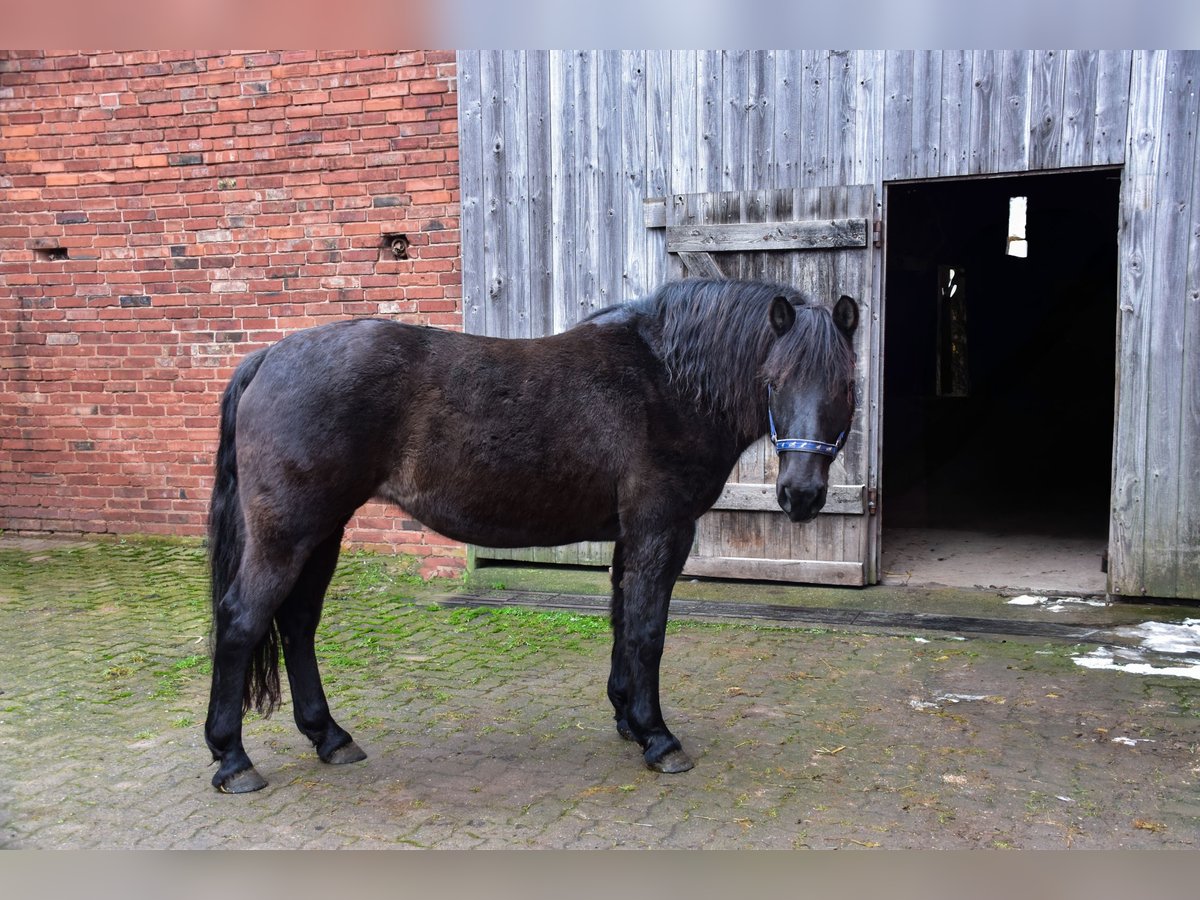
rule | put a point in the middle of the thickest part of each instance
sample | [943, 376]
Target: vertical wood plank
[814, 118]
[735, 76]
[1187, 526]
[869, 376]
[539, 170]
[472, 228]
[898, 114]
[514, 162]
[1126, 565]
[587, 208]
[564, 186]
[684, 138]
[709, 108]
[786, 126]
[982, 135]
[926, 112]
[760, 115]
[656, 122]
[685, 126]
[868, 125]
[1079, 108]
[1046, 109]
[633, 187]
[611, 186]
[1012, 152]
[495, 299]
[1112, 107]
[843, 115]
[957, 92]
[1166, 471]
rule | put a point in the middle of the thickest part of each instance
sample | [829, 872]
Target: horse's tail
[226, 540]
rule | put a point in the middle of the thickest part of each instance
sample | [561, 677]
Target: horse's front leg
[653, 558]
[618, 673]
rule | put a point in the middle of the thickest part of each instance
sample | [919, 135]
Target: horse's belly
[534, 517]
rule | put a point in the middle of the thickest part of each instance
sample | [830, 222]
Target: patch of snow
[1053, 604]
[1166, 637]
[1026, 600]
[940, 699]
[1105, 658]
[961, 698]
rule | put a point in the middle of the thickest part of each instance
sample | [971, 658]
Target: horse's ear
[845, 315]
[783, 315]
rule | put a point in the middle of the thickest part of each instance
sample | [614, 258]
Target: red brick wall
[208, 204]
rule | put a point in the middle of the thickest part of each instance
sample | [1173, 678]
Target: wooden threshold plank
[802, 571]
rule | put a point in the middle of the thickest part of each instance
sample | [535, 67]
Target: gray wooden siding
[1155, 543]
[559, 149]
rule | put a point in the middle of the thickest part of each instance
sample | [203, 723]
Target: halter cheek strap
[802, 445]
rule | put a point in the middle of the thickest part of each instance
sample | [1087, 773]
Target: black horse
[624, 428]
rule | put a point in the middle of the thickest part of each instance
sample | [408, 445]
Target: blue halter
[801, 445]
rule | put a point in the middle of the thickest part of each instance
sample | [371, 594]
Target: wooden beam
[842, 499]
[654, 212]
[821, 234]
[700, 264]
[803, 571]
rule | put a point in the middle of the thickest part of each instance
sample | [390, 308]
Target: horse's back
[493, 441]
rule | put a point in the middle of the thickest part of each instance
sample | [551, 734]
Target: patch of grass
[363, 572]
[335, 656]
[180, 671]
[196, 660]
[524, 631]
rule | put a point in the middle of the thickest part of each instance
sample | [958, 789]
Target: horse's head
[810, 401]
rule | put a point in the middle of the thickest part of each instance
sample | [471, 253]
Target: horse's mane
[716, 341]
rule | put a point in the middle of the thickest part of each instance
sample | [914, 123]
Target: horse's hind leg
[297, 620]
[242, 623]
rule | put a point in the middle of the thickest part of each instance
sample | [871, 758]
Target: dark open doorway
[998, 380]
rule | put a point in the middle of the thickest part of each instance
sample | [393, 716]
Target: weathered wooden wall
[1154, 545]
[560, 149]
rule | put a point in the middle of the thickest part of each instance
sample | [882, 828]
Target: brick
[225, 201]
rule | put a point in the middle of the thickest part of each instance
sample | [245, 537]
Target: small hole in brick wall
[51, 254]
[395, 246]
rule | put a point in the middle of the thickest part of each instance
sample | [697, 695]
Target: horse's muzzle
[801, 504]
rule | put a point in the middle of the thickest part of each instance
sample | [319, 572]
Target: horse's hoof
[347, 753]
[242, 782]
[623, 730]
[672, 763]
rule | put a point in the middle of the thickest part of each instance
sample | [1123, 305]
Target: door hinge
[877, 232]
[872, 506]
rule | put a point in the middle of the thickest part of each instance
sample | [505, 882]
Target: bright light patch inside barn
[1017, 244]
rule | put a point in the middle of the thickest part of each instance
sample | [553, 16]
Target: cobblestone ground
[491, 728]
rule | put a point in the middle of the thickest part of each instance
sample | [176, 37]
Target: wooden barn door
[819, 241]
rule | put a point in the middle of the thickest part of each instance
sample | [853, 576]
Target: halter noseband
[801, 445]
